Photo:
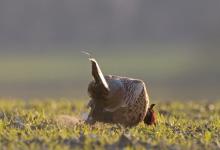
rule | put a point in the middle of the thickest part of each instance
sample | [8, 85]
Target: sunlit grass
[33, 125]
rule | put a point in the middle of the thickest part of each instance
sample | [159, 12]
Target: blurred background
[174, 46]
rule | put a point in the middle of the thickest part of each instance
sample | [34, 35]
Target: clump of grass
[180, 125]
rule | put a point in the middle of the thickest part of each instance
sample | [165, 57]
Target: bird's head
[150, 117]
[152, 106]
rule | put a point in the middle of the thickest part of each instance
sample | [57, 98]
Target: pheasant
[116, 99]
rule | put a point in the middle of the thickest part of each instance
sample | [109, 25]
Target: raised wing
[97, 73]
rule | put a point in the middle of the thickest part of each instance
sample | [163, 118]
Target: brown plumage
[116, 99]
[150, 118]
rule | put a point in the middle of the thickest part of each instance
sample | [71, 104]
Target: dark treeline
[105, 21]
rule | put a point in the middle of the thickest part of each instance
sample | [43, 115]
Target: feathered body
[116, 99]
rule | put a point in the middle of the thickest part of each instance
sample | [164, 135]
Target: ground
[35, 124]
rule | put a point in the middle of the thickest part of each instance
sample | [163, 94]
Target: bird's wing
[114, 100]
[97, 73]
[135, 89]
[132, 90]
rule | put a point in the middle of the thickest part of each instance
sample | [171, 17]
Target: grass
[33, 125]
[169, 70]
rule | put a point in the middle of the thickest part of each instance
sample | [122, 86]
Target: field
[35, 124]
[171, 71]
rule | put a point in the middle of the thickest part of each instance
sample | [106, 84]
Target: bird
[150, 118]
[115, 99]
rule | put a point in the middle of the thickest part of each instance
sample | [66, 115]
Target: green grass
[181, 125]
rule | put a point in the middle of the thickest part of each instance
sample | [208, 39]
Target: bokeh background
[173, 45]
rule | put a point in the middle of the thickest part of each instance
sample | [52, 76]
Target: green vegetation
[55, 66]
[34, 125]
